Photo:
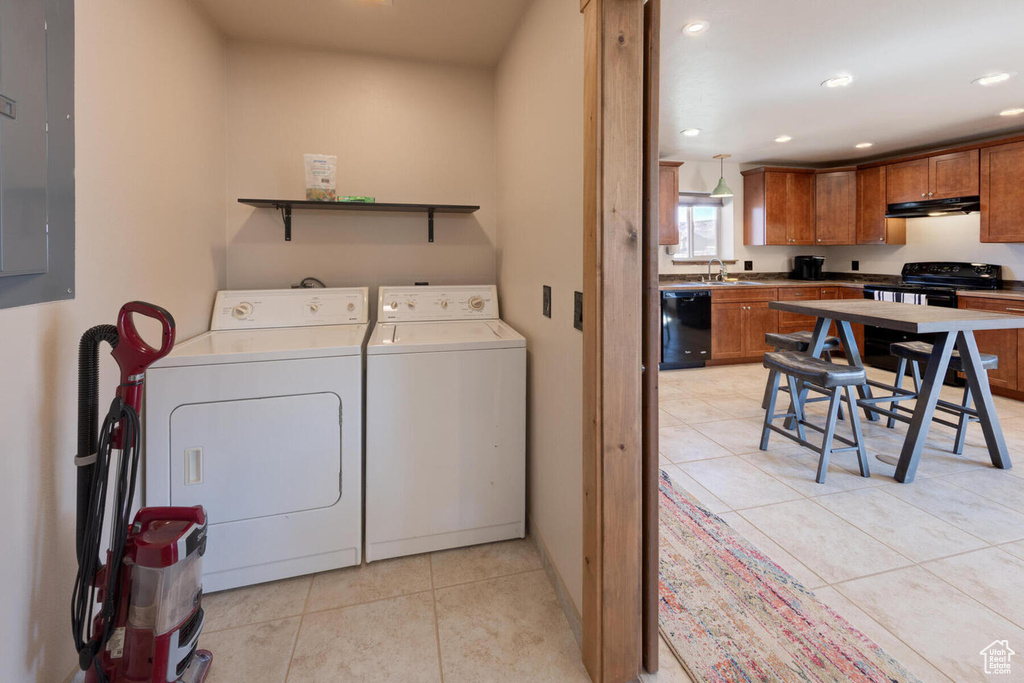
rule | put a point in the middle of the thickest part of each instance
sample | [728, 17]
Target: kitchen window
[700, 227]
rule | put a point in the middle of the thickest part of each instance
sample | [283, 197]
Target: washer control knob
[476, 303]
[394, 305]
[351, 306]
[313, 308]
[411, 304]
[444, 303]
[242, 311]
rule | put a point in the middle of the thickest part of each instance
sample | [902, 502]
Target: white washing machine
[260, 420]
[445, 422]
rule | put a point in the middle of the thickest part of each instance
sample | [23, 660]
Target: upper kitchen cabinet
[835, 207]
[1002, 193]
[778, 206]
[872, 225]
[907, 181]
[936, 177]
[668, 202]
[953, 175]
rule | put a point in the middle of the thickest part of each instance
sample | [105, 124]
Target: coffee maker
[808, 267]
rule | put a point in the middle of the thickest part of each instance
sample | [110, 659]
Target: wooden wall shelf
[285, 206]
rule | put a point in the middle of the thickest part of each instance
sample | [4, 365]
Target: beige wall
[702, 176]
[150, 106]
[539, 113]
[941, 238]
[403, 131]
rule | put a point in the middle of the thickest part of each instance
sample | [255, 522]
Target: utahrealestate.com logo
[997, 657]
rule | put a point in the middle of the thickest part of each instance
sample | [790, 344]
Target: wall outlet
[577, 311]
[546, 306]
[854, 265]
[748, 265]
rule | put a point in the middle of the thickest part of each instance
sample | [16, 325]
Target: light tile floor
[485, 613]
[933, 570]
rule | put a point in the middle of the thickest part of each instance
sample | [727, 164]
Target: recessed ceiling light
[783, 138]
[1012, 112]
[993, 79]
[864, 145]
[838, 82]
[695, 27]
[691, 132]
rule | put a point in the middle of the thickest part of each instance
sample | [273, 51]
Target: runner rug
[732, 615]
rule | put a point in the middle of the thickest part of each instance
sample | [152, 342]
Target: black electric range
[933, 283]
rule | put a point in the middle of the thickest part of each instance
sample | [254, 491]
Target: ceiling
[471, 32]
[755, 74]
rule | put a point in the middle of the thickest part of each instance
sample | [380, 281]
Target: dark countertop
[761, 284]
[1010, 294]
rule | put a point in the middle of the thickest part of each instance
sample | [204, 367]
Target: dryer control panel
[423, 304]
[274, 308]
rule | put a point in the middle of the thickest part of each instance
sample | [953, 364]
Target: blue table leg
[849, 341]
[931, 385]
[977, 380]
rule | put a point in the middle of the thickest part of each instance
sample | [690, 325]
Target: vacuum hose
[88, 417]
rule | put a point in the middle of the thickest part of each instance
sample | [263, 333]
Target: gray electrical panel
[37, 201]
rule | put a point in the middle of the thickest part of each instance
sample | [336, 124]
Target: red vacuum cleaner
[149, 591]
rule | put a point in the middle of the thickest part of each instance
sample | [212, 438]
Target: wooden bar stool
[915, 353]
[837, 381]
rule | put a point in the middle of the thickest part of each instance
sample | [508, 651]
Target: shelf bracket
[286, 216]
[430, 225]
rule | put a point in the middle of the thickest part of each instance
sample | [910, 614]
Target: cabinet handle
[930, 194]
[923, 194]
[1015, 310]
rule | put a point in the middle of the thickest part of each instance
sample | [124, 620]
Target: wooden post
[651, 332]
[612, 317]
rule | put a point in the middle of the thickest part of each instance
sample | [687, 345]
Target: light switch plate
[546, 306]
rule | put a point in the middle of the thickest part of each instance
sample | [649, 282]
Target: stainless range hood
[934, 207]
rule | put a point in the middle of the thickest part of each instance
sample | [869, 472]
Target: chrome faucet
[722, 273]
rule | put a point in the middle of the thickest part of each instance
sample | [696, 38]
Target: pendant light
[721, 190]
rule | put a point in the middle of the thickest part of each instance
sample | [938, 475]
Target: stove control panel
[275, 308]
[422, 304]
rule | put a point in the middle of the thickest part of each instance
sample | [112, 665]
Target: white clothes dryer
[260, 420]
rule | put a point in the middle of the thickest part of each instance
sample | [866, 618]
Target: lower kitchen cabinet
[739, 321]
[1005, 344]
[858, 330]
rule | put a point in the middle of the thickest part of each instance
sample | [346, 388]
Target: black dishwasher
[685, 328]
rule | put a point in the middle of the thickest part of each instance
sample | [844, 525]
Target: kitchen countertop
[1012, 295]
[763, 283]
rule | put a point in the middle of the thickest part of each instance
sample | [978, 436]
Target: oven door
[877, 340]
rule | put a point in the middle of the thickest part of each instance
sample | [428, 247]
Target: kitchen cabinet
[1003, 343]
[739, 320]
[727, 331]
[953, 175]
[668, 202]
[778, 206]
[794, 322]
[872, 225]
[1002, 193]
[835, 207]
[940, 176]
[858, 329]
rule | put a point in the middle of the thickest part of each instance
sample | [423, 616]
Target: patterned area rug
[732, 615]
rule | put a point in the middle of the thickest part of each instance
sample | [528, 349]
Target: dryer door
[257, 457]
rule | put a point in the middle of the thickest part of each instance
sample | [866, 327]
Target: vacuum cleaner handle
[133, 354]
